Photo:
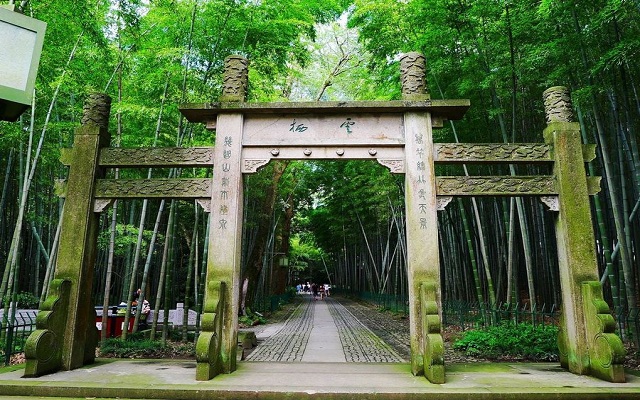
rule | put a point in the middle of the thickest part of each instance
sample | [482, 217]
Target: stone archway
[398, 134]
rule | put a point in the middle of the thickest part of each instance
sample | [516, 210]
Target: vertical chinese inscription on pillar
[226, 191]
[216, 347]
[420, 194]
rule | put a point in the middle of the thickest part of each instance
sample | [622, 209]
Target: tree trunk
[255, 259]
[193, 251]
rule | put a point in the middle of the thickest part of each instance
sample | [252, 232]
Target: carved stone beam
[493, 152]
[504, 185]
[501, 153]
[153, 188]
[495, 186]
[156, 157]
[446, 186]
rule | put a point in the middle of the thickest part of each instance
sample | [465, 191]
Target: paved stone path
[323, 331]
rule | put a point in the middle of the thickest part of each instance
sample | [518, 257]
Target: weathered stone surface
[235, 79]
[412, 70]
[153, 188]
[364, 129]
[557, 104]
[433, 342]
[447, 109]
[423, 257]
[223, 263]
[43, 349]
[496, 186]
[587, 343]
[96, 110]
[606, 351]
[77, 248]
[156, 157]
[209, 345]
[492, 152]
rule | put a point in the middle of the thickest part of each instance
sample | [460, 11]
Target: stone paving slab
[159, 379]
[359, 343]
[323, 331]
[289, 342]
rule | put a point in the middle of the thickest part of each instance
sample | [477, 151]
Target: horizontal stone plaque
[314, 129]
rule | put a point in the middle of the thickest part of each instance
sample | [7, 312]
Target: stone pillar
[587, 342]
[217, 344]
[66, 335]
[423, 260]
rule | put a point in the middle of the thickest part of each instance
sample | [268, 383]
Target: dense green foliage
[511, 341]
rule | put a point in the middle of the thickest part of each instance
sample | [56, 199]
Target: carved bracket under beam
[395, 166]
[551, 202]
[205, 204]
[442, 202]
[99, 205]
[153, 188]
[256, 157]
[252, 166]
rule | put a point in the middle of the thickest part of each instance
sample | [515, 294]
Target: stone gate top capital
[412, 70]
[96, 109]
[235, 78]
[557, 104]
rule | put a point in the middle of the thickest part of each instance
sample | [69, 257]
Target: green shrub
[17, 343]
[25, 300]
[145, 348]
[251, 319]
[523, 341]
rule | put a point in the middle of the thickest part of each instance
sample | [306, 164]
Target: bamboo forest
[339, 222]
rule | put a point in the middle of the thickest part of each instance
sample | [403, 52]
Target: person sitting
[144, 313]
[135, 296]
